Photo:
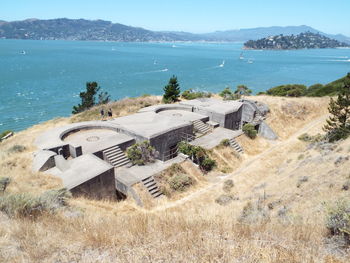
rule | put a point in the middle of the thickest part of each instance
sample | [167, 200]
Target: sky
[197, 16]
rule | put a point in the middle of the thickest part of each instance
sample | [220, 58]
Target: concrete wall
[99, 187]
[163, 142]
[248, 112]
[233, 120]
[266, 131]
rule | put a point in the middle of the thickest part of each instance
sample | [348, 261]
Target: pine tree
[88, 97]
[338, 124]
[171, 91]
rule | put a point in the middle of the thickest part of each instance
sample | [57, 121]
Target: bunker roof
[83, 169]
[214, 105]
[149, 124]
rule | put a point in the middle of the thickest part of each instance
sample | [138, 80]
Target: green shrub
[225, 142]
[208, 164]
[191, 94]
[309, 138]
[249, 130]
[338, 220]
[180, 182]
[290, 90]
[228, 94]
[26, 205]
[4, 182]
[141, 153]
[198, 155]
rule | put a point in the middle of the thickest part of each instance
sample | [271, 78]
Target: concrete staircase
[116, 157]
[152, 187]
[201, 127]
[234, 144]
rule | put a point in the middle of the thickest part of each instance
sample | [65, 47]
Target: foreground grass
[269, 219]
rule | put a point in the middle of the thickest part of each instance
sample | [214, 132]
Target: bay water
[40, 80]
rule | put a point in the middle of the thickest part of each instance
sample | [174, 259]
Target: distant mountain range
[100, 30]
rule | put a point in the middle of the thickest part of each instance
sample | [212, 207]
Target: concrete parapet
[43, 160]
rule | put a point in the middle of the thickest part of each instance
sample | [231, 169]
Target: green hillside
[316, 90]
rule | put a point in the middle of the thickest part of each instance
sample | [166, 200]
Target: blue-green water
[45, 82]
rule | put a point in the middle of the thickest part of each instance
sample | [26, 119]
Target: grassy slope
[195, 228]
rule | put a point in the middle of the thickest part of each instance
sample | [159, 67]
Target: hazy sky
[330, 16]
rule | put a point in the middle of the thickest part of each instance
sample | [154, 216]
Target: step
[147, 179]
[151, 186]
[120, 163]
[117, 157]
[158, 195]
[114, 153]
[112, 149]
[148, 183]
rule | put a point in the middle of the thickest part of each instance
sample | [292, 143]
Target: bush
[4, 182]
[191, 94]
[141, 153]
[228, 94]
[289, 90]
[338, 220]
[225, 142]
[180, 182]
[309, 138]
[198, 155]
[17, 149]
[249, 130]
[228, 185]
[25, 205]
[208, 164]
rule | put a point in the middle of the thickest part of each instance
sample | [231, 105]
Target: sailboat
[250, 61]
[241, 56]
[222, 64]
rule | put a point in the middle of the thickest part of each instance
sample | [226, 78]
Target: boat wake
[153, 71]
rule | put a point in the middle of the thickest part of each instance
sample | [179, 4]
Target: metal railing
[187, 137]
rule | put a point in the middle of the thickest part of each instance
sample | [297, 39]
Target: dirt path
[244, 166]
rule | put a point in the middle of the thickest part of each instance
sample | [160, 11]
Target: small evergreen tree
[88, 97]
[338, 124]
[243, 90]
[171, 91]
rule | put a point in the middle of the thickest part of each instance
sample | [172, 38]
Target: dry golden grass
[288, 115]
[193, 228]
[119, 108]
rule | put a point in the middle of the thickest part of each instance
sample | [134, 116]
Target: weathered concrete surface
[95, 140]
[214, 105]
[266, 132]
[183, 115]
[214, 138]
[227, 113]
[43, 160]
[83, 169]
[134, 174]
[148, 124]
